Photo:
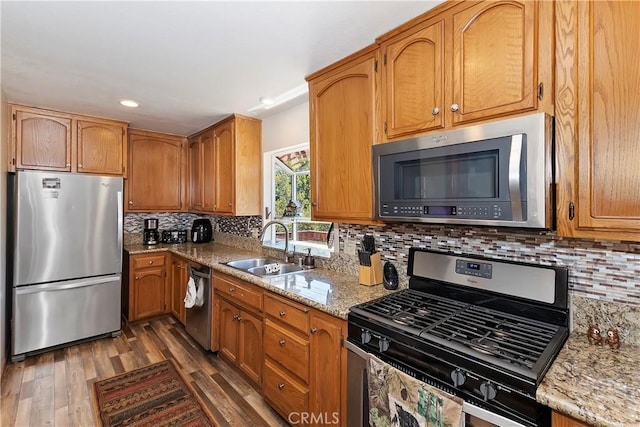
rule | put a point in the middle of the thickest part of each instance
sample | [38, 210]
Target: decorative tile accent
[604, 270]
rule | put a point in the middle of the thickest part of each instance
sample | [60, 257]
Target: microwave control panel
[481, 211]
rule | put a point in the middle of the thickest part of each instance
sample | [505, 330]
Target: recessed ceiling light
[266, 101]
[129, 103]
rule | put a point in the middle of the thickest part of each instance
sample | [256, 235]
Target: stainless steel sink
[246, 264]
[265, 267]
[282, 270]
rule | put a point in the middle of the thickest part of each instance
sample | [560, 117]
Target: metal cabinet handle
[231, 289]
[130, 202]
[282, 342]
[435, 111]
[239, 319]
[281, 386]
[455, 107]
[137, 277]
[235, 317]
[150, 262]
[80, 166]
[313, 330]
[282, 314]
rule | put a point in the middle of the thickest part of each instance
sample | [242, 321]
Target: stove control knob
[383, 345]
[365, 336]
[458, 377]
[488, 391]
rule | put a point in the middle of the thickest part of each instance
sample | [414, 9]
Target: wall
[289, 127]
[4, 134]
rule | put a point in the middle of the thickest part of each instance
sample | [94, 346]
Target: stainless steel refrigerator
[65, 258]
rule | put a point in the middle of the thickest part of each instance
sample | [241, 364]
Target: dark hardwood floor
[55, 388]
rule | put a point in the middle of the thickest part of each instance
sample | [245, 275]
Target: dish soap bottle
[309, 260]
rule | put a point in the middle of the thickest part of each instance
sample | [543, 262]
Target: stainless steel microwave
[496, 174]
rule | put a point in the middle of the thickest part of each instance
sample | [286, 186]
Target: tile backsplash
[604, 270]
[245, 226]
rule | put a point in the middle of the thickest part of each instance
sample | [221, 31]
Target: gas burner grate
[516, 340]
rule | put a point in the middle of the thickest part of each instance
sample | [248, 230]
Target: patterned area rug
[155, 395]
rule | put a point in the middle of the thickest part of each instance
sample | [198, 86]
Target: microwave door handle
[514, 177]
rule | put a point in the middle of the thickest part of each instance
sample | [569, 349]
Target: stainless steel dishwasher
[198, 322]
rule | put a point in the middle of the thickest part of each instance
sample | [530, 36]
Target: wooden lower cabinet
[178, 288]
[145, 286]
[238, 325]
[305, 363]
[560, 420]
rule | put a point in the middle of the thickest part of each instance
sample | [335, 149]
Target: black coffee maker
[150, 234]
[201, 231]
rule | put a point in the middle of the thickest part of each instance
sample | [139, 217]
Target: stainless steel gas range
[477, 328]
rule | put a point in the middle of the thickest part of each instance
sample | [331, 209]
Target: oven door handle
[487, 416]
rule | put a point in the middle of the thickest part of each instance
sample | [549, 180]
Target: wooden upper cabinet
[342, 126]
[598, 119]
[157, 168]
[101, 147]
[208, 178]
[229, 155]
[42, 141]
[195, 174]
[57, 141]
[413, 81]
[224, 167]
[494, 54]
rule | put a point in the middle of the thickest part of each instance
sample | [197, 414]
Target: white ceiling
[188, 64]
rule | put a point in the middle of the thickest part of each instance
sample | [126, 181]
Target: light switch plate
[350, 246]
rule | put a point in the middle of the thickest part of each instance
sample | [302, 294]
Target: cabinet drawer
[289, 313]
[147, 261]
[284, 393]
[288, 349]
[242, 293]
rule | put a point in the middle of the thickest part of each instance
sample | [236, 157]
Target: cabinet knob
[230, 205]
[455, 107]
[68, 164]
[235, 317]
[281, 386]
[314, 204]
[231, 289]
[282, 314]
[435, 111]
[137, 277]
[130, 202]
[313, 330]
[239, 319]
[282, 342]
[80, 166]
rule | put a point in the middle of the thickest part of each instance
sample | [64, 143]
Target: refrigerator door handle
[120, 218]
[71, 284]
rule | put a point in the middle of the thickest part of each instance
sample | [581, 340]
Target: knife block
[371, 275]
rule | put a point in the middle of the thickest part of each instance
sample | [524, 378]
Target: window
[290, 202]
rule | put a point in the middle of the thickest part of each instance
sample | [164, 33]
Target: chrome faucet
[287, 255]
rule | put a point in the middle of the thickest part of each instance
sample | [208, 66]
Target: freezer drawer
[57, 313]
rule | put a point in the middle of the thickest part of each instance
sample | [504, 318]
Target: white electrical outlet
[350, 246]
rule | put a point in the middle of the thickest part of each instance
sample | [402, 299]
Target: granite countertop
[326, 290]
[594, 384]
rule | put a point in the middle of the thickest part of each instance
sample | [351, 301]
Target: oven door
[474, 416]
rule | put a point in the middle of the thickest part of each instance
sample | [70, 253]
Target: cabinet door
[494, 60]
[179, 277]
[155, 172]
[149, 293]
[208, 178]
[224, 167]
[342, 133]
[326, 367]
[101, 148]
[598, 119]
[413, 79]
[559, 420]
[42, 141]
[250, 346]
[228, 330]
[195, 174]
